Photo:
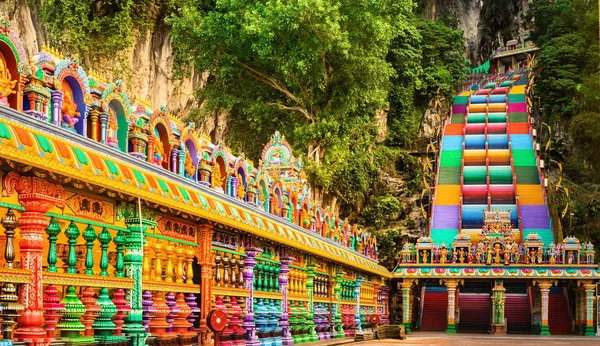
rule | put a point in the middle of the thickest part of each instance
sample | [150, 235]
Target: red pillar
[37, 196]
[205, 260]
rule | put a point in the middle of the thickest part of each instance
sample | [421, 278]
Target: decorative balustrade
[297, 282]
[84, 277]
[266, 276]
[321, 286]
[499, 250]
[228, 270]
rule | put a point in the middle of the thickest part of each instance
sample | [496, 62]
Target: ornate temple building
[121, 224]
[491, 261]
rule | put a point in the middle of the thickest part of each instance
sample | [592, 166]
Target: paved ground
[427, 338]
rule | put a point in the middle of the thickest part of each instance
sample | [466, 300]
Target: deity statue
[70, 116]
[497, 251]
[506, 256]
[159, 152]
[304, 219]
[551, 258]
[532, 256]
[217, 179]
[241, 191]
[424, 256]
[443, 255]
[478, 255]
[540, 255]
[469, 257]
[189, 168]
[488, 259]
[571, 258]
[461, 256]
[7, 85]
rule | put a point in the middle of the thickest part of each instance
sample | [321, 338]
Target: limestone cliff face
[483, 21]
[146, 67]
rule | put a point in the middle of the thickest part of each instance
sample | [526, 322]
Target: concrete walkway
[466, 339]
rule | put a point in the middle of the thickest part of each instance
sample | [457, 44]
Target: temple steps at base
[435, 306]
[558, 313]
[475, 312]
[517, 313]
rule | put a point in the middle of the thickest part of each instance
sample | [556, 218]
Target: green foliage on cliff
[315, 70]
[428, 57]
[319, 71]
[101, 28]
[567, 88]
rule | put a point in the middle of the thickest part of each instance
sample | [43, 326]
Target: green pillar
[72, 234]
[310, 277]
[89, 234]
[134, 242]
[104, 326]
[406, 310]
[104, 238]
[589, 310]
[337, 289]
[53, 230]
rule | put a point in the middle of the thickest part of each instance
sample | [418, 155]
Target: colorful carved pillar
[181, 162]
[357, 284]
[284, 269]
[53, 230]
[103, 119]
[150, 157]
[384, 303]
[85, 118]
[37, 196]
[406, 310]
[104, 326]
[337, 289]
[122, 310]
[93, 120]
[205, 260]
[89, 234]
[498, 298]
[57, 97]
[120, 241]
[589, 308]
[54, 310]
[136, 226]
[578, 310]
[545, 290]
[451, 286]
[249, 263]
[310, 288]
[174, 153]
[104, 238]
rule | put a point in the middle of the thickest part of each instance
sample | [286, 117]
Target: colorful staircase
[446, 206]
[488, 161]
[475, 312]
[434, 308]
[559, 317]
[533, 210]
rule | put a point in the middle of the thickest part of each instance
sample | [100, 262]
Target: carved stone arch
[75, 85]
[13, 53]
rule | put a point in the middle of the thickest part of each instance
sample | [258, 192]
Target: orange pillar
[150, 157]
[37, 196]
[205, 260]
